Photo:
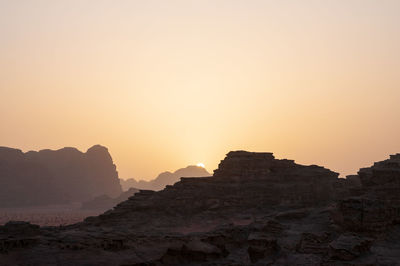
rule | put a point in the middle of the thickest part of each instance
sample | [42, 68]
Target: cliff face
[254, 210]
[244, 182]
[375, 206]
[56, 177]
[383, 174]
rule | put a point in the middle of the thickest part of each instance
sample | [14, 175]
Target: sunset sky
[164, 84]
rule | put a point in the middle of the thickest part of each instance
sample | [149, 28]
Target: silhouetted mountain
[165, 178]
[254, 210]
[56, 177]
[105, 202]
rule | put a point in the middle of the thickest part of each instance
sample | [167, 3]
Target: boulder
[349, 247]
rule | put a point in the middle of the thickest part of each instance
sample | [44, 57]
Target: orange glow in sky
[166, 84]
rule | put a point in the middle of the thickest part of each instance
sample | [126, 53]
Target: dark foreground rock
[254, 210]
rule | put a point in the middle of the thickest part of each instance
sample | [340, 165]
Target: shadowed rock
[164, 179]
[105, 202]
[56, 177]
[244, 181]
[255, 210]
[377, 205]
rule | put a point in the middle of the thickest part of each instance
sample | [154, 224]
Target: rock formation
[56, 177]
[249, 182]
[254, 210]
[376, 205]
[105, 202]
[165, 178]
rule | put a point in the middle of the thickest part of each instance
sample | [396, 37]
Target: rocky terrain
[105, 202]
[254, 210]
[164, 179]
[52, 177]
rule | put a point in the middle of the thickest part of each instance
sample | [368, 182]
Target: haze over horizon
[166, 84]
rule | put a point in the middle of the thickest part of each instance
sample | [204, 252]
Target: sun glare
[201, 165]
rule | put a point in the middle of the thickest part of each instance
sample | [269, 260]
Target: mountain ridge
[254, 210]
[164, 178]
[56, 176]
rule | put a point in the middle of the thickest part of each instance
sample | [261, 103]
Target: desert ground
[47, 216]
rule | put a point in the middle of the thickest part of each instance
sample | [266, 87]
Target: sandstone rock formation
[376, 206]
[105, 202]
[165, 178]
[254, 210]
[56, 177]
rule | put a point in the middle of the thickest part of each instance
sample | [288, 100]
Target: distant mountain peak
[165, 178]
[56, 176]
[97, 148]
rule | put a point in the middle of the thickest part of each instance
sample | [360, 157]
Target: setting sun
[106, 106]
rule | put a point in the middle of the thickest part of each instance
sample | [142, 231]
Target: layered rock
[15, 235]
[376, 206]
[56, 177]
[255, 210]
[383, 178]
[244, 181]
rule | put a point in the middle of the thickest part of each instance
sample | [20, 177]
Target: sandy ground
[48, 215]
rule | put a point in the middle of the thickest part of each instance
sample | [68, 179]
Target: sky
[166, 84]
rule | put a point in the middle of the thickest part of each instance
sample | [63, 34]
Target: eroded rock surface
[254, 210]
[376, 208]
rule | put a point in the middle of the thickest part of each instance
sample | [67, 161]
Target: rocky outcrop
[349, 247]
[105, 202]
[376, 207]
[383, 178]
[164, 179]
[56, 177]
[15, 235]
[366, 214]
[254, 210]
[249, 182]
